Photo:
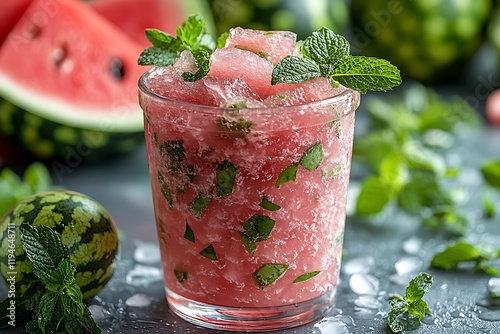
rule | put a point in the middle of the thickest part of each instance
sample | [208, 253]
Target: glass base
[250, 319]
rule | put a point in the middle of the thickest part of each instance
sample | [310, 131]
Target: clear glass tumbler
[249, 206]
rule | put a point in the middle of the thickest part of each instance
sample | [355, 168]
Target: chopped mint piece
[240, 125]
[181, 275]
[287, 175]
[165, 190]
[221, 40]
[336, 126]
[268, 205]
[250, 245]
[258, 227]
[326, 54]
[226, 174]
[306, 276]
[209, 253]
[407, 312]
[491, 173]
[462, 252]
[199, 204]
[173, 152]
[269, 273]
[312, 157]
[333, 172]
[189, 234]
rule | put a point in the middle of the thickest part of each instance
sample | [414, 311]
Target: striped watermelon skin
[86, 229]
[46, 139]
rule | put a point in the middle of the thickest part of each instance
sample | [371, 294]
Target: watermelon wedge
[72, 77]
[134, 16]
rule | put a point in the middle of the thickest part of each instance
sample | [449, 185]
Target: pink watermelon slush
[249, 181]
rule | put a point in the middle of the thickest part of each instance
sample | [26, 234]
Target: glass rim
[341, 96]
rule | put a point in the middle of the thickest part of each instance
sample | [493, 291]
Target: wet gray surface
[380, 257]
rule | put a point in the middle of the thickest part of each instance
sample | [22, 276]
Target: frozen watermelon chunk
[168, 82]
[311, 90]
[228, 91]
[248, 66]
[273, 45]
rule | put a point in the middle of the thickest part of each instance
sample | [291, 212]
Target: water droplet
[147, 253]
[412, 245]
[457, 314]
[360, 265]
[142, 275]
[494, 286]
[430, 320]
[493, 315]
[369, 302]
[138, 300]
[408, 265]
[330, 325]
[364, 284]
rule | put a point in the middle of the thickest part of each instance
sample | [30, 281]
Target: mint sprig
[407, 311]
[327, 54]
[191, 35]
[55, 300]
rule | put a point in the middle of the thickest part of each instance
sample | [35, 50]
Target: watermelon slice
[11, 11]
[65, 65]
[134, 16]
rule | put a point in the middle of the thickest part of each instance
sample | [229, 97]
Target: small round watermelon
[301, 17]
[427, 40]
[86, 229]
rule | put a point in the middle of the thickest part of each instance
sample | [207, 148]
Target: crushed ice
[142, 275]
[147, 253]
[331, 325]
[360, 265]
[364, 284]
[138, 300]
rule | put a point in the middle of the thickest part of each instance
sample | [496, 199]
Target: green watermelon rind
[86, 229]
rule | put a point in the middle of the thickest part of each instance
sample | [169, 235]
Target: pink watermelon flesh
[274, 45]
[75, 57]
[134, 16]
[11, 11]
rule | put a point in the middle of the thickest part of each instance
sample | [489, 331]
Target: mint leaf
[165, 190]
[293, 69]
[226, 175]
[268, 205]
[193, 35]
[199, 204]
[189, 234]
[463, 252]
[258, 227]
[83, 324]
[269, 273]
[407, 312]
[366, 73]
[50, 312]
[239, 125]
[312, 157]
[163, 40]
[44, 248]
[287, 175]
[209, 253]
[180, 275]
[326, 48]
[491, 173]
[158, 57]
[221, 40]
[306, 276]
[250, 245]
[202, 58]
[374, 195]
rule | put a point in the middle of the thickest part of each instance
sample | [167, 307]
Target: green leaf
[306, 276]
[374, 195]
[83, 324]
[226, 175]
[165, 190]
[447, 219]
[50, 312]
[258, 227]
[417, 287]
[491, 173]
[174, 154]
[155, 56]
[287, 175]
[202, 58]
[268, 205]
[239, 125]
[294, 69]
[73, 300]
[180, 275]
[366, 73]
[19, 307]
[326, 48]
[221, 40]
[199, 204]
[163, 40]
[250, 245]
[44, 248]
[312, 157]
[269, 273]
[63, 275]
[193, 35]
[38, 178]
[209, 253]
[489, 207]
[189, 234]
